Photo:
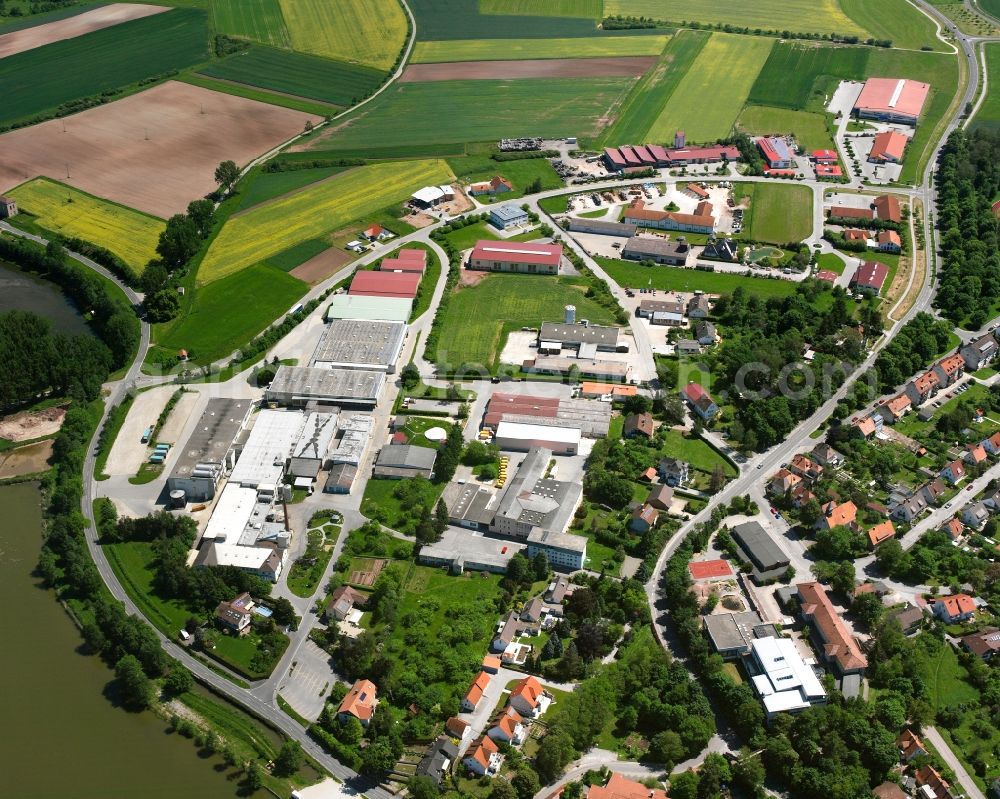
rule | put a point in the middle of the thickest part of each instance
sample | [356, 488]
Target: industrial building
[760, 550]
[263, 561]
[585, 367]
[623, 159]
[591, 417]
[565, 551]
[589, 339]
[353, 438]
[368, 283]
[508, 216]
[262, 459]
[673, 252]
[776, 152]
[360, 344]
[515, 256]
[311, 451]
[357, 306]
[784, 682]
[600, 227]
[209, 450]
[298, 385]
[430, 196]
[461, 551]
[892, 100]
[401, 461]
[888, 147]
[732, 633]
[521, 437]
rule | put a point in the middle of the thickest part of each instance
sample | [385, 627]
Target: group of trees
[913, 348]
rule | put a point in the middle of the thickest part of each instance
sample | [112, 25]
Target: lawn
[830, 262]
[380, 501]
[60, 73]
[230, 312]
[305, 573]
[465, 238]
[132, 562]
[724, 70]
[415, 428]
[369, 32]
[298, 74]
[810, 129]
[478, 317]
[643, 104]
[516, 49]
[667, 278]
[472, 168]
[988, 115]
[800, 16]
[129, 234]
[239, 652]
[439, 111]
[548, 8]
[272, 227]
[779, 213]
[264, 186]
[462, 19]
[298, 254]
[897, 20]
[696, 452]
[256, 20]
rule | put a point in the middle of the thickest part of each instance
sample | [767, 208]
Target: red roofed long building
[385, 284]
[870, 276]
[620, 787]
[515, 256]
[892, 100]
[838, 645]
[888, 147]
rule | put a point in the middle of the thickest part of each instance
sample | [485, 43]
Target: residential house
[869, 425]
[836, 644]
[827, 455]
[922, 388]
[889, 790]
[376, 233]
[909, 619]
[491, 664]
[974, 454]
[910, 509]
[801, 496]
[475, 692]
[437, 761]
[803, 467]
[954, 472]
[649, 475]
[483, 757]
[618, 787]
[705, 333]
[933, 491]
[954, 608]
[660, 497]
[869, 277]
[834, 515]
[638, 424]
[697, 307]
[882, 531]
[889, 241]
[343, 600]
[688, 346]
[236, 615]
[457, 728]
[855, 234]
[720, 250]
[992, 444]
[975, 515]
[953, 528]
[887, 208]
[557, 590]
[931, 784]
[533, 610]
[528, 698]
[700, 401]
[506, 727]
[498, 185]
[643, 518]
[950, 369]
[359, 702]
[673, 472]
[979, 353]
[992, 500]
[910, 746]
[984, 643]
[895, 408]
[782, 482]
[508, 629]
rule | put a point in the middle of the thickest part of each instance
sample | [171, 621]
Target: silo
[570, 314]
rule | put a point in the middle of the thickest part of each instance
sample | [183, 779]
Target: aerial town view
[500, 399]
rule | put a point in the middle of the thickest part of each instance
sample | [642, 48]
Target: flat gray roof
[472, 548]
[579, 334]
[469, 502]
[360, 342]
[406, 456]
[530, 498]
[601, 227]
[759, 547]
[642, 245]
[509, 212]
[308, 383]
[558, 540]
[220, 423]
[732, 630]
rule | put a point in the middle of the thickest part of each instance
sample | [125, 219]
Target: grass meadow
[779, 212]
[105, 60]
[896, 20]
[472, 168]
[369, 32]
[988, 115]
[478, 318]
[478, 110]
[129, 234]
[295, 73]
[724, 71]
[809, 128]
[272, 227]
[256, 20]
[516, 49]
[668, 278]
[799, 16]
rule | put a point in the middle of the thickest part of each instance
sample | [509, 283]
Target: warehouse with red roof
[888, 147]
[385, 284]
[516, 256]
[892, 100]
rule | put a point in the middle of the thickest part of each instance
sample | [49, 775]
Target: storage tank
[283, 539]
[570, 314]
[178, 499]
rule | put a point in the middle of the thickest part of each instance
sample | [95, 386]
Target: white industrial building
[300, 385]
[262, 461]
[210, 449]
[520, 437]
[311, 451]
[355, 433]
[357, 306]
[360, 344]
[781, 677]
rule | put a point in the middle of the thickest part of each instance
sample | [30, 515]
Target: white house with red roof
[870, 277]
[955, 608]
[954, 472]
[700, 401]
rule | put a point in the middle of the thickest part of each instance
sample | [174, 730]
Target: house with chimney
[895, 408]
[954, 608]
[844, 514]
[782, 482]
[978, 353]
[922, 388]
[828, 456]
[953, 473]
[950, 369]
[359, 702]
[803, 467]
[235, 616]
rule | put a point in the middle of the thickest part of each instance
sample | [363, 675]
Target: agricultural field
[47, 77]
[272, 227]
[368, 32]
[667, 278]
[801, 76]
[256, 20]
[515, 49]
[478, 318]
[642, 106]
[779, 213]
[303, 104]
[798, 16]
[230, 312]
[988, 115]
[545, 8]
[724, 71]
[528, 107]
[264, 186]
[967, 21]
[130, 235]
[547, 68]
[810, 128]
[445, 20]
[897, 20]
[294, 73]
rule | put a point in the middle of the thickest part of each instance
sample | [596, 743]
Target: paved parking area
[128, 452]
[309, 681]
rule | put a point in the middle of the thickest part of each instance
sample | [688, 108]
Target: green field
[724, 71]
[272, 227]
[298, 254]
[44, 78]
[455, 111]
[380, 502]
[130, 235]
[260, 95]
[294, 73]
[809, 128]
[667, 278]
[462, 19]
[544, 8]
[472, 168]
[369, 32]
[133, 563]
[515, 49]
[988, 115]
[696, 452]
[266, 186]
[230, 312]
[801, 76]
[256, 20]
[779, 212]
[642, 106]
[897, 20]
[799, 16]
[478, 318]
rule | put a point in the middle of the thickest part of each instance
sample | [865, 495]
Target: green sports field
[369, 32]
[273, 227]
[668, 278]
[896, 20]
[779, 212]
[309, 76]
[42, 79]
[130, 235]
[256, 20]
[478, 318]
[800, 16]
[515, 49]
[477, 110]
[988, 115]
[709, 97]
[810, 129]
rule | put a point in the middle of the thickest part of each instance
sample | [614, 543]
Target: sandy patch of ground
[128, 452]
[614, 67]
[87, 22]
[173, 428]
[26, 460]
[470, 277]
[154, 151]
[26, 425]
[320, 267]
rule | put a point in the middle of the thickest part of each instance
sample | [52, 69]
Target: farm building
[515, 256]
[385, 284]
[888, 147]
[619, 159]
[886, 208]
[824, 171]
[824, 156]
[660, 251]
[519, 437]
[776, 152]
[600, 227]
[696, 191]
[844, 212]
[870, 277]
[360, 344]
[508, 216]
[640, 216]
[400, 461]
[406, 260]
[209, 450]
[498, 185]
[892, 100]
[430, 196]
[385, 309]
[598, 390]
[298, 385]
[8, 207]
[682, 156]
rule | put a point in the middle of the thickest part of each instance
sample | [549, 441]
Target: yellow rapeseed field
[270, 228]
[129, 234]
[369, 32]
